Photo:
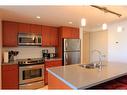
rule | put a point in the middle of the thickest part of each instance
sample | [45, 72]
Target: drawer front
[9, 67]
[53, 63]
[34, 85]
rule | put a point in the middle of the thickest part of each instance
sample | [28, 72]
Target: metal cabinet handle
[66, 44]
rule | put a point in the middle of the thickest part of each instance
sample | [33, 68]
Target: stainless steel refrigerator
[71, 51]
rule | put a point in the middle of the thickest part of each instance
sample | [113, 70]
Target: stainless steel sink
[90, 66]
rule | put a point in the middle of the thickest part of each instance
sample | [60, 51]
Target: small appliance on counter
[5, 57]
[52, 55]
[47, 55]
[9, 56]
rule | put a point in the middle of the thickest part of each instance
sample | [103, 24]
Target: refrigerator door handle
[66, 58]
[66, 45]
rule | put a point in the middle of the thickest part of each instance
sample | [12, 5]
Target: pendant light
[104, 26]
[83, 22]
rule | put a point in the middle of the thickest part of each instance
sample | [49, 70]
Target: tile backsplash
[29, 51]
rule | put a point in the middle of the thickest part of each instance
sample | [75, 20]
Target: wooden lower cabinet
[56, 84]
[49, 64]
[10, 79]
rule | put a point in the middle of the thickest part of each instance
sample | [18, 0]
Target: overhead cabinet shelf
[51, 36]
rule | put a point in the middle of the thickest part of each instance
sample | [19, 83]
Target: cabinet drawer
[53, 63]
[34, 85]
[9, 67]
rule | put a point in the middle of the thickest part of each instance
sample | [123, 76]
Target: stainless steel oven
[31, 76]
[25, 39]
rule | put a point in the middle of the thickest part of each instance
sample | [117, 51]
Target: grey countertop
[16, 61]
[53, 59]
[82, 78]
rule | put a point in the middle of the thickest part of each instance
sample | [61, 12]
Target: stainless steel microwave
[25, 39]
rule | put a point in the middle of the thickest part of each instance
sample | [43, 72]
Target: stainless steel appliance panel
[72, 44]
[71, 58]
[33, 85]
[29, 39]
[31, 73]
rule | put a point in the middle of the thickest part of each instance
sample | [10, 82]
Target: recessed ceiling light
[119, 29]
[104, 26]
[70, 22]
[38, 17]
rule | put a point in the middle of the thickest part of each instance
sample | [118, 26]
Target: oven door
[32, 73]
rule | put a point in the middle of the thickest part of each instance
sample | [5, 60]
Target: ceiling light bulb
[119, 29]
[38, 17]
[83, 22]
[104, 26]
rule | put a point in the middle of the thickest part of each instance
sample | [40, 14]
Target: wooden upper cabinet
[29, 28]
[23, 28]
[45, 36]
[69, 32]
[35, 29]
[10, 30]
[75, 32]
[54, 37]
[49, 36]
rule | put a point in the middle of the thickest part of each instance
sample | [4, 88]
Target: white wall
[81, 37]
[0, 50]
[117, 51]
[86, 47]
[98, 41]
[29, 52]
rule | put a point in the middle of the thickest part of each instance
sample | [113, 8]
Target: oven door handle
[30, 67]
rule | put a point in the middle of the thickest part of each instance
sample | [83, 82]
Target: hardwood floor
[43, 88]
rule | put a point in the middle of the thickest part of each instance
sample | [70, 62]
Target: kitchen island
[76, 77]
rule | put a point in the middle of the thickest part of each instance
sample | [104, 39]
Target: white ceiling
[61, 15]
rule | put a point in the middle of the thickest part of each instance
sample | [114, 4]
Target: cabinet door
[49, 36]
[49, 64]
[70, 32]
[56, 63]
[54, 37]
[75, 33]
[66, 32]
[59, 48]
[10, 78]
[24, 28]
[35, 29]
[46, 36]
[10, 30]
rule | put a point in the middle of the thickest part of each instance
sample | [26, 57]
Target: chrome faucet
[99, 56]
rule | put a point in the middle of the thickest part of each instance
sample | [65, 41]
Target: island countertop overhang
[81, 78]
